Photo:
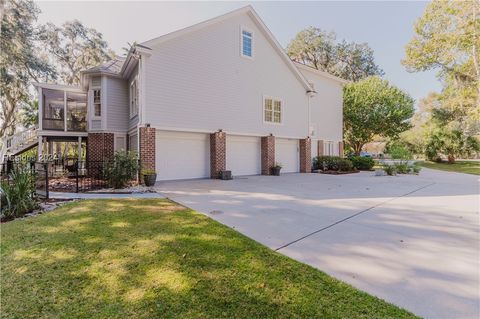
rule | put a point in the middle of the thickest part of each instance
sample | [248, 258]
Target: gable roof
[260, 24]
[321, 73]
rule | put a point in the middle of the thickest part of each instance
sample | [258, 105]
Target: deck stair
[18, 143]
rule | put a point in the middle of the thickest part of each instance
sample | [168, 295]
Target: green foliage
[402, 168]
[29, 114]
[151, 258]
[326, 162]
[122, 169]
[20, 62]
[451, 143]
[468, 167]
[398, 151]
[391, 170]
[416, 169]
[362, 163]
[319, 49]
[373, 107]
[447, 39]
[75, 48]
[17, 193]
[345, 165]
[277, 165]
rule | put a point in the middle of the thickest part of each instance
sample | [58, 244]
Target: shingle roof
[113, 66]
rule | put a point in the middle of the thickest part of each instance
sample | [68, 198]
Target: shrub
[345, 165]
[362, 163]
[326, 162]
[390, 169]
[402, 168]
[18, 193]
[122, 169]
[416, 169]
[401, 152]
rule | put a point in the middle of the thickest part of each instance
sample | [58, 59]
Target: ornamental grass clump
[17, 193]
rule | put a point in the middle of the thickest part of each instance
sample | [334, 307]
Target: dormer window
[246, 47]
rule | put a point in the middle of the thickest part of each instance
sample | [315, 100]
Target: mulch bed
[65, 184]
[336, 172]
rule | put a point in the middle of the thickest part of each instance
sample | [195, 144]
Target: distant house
[219, 95]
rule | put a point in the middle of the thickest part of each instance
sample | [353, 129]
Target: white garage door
[243, 155]
[182, 155]
[286, 153]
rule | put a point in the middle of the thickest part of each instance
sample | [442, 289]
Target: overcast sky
[386, 26]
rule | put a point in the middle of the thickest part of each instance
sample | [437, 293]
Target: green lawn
[156, 259]
[469, 167]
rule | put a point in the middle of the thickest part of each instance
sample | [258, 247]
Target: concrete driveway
[411, 240]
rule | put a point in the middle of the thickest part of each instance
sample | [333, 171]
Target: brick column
[268, 154]
[147, 147]
[305, 155]
[340, 149]
[99, 147]
[218, 153]
[320, 148]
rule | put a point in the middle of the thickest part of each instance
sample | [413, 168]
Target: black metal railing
[65, 175]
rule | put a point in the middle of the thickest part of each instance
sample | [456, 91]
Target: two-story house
[219, 95]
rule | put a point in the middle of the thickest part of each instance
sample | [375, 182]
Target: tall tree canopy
[20, 62]
[372, 107]
[74, 48]
[447, 38]
[319, 49]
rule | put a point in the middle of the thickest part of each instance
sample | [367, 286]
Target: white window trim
[96, 117]
[326, 148]
[115, 136]
[131, 111]
[282, 110]
[241, 43]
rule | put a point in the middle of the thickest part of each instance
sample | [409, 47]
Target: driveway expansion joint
[352, 216]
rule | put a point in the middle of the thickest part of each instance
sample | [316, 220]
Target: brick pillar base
[218, 153]
[320, 148]
[147, 147]
[340, 149]
[268, 154]
[305, 155]
[99, 147]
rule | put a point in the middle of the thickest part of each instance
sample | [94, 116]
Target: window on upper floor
[272, 109]
[134, 98]
[97, 103]
[246, 43]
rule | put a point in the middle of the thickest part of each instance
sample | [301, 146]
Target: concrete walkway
[411, 240]
[61, 195]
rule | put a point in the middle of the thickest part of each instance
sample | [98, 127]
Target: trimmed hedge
[329, 163]
[362, 163]
[332, 163]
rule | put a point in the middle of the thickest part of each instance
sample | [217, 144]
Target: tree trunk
[451, 159]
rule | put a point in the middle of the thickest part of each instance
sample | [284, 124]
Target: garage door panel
[243, 155]
[182, 155]
[286, 153]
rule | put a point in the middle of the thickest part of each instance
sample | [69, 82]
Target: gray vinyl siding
[96, 125]
[201, 82]
[132, 122]
[117, 105]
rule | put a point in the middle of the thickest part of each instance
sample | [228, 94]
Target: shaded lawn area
[155, 259]
[469, 167]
